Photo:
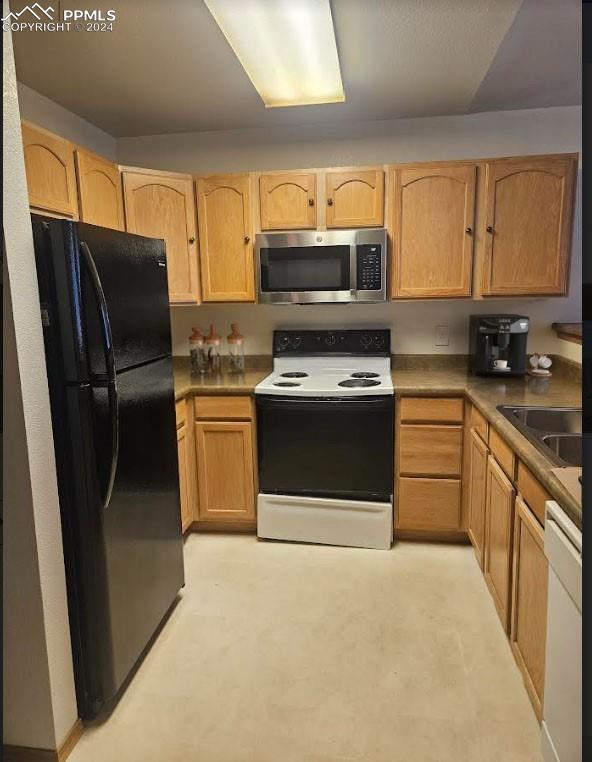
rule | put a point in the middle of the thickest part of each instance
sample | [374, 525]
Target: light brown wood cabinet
[434, 208]
[162, 205]
[430, 450]
[355, 199]
[527, 225]
[186, 463]
[100, 197]
[225, 235]
[51, 178]
[529, 602]
[431, 409]
[288, 201]
[499, 520]
[184, 477]
[428, 464]
[477, 488]
[225, 470]
[429, 504]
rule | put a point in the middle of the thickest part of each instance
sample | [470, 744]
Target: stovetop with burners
[329, 364]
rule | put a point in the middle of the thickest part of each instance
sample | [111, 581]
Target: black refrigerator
[105, 315]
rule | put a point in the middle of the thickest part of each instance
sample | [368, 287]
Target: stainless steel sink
[555, 431]
[561, 420]
[568, 447]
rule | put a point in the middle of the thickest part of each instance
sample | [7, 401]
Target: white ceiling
[167, 68]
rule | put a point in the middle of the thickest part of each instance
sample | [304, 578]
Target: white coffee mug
[500, 364]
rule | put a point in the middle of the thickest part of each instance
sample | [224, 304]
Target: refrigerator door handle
[109, 364]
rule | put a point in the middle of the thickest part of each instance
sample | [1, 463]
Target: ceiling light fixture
[287, 48]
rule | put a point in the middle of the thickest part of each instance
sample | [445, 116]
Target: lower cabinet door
[226, 486]
[184, 477]
[429, 504]
[477, 493]
[499, 511]
[529, 602]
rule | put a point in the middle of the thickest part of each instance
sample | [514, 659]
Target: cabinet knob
[469, 230]
[247, 239]
[489, 229]
[329, 202]
[311, 201]
[192, 240]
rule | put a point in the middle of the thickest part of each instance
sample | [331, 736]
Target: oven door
[304, 272]
[336, 448]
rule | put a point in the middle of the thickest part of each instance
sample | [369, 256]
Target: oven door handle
[351, 403]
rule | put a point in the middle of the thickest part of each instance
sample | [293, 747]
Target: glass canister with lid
[213, 342]
[236, 350]
[198, 357]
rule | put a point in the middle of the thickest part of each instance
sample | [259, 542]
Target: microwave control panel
[369, 270]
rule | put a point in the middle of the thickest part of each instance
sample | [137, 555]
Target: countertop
[485, 393]
[225, 383]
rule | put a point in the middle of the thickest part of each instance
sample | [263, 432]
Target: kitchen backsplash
[413, 324]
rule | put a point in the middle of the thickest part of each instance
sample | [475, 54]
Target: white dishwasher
[562, 712]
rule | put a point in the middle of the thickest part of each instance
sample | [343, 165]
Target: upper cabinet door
[528, 225]
[161, 205]
[355, 199]
[288, 202]
[49, 163]
[433, 230]
[224, 216]
[99, 191]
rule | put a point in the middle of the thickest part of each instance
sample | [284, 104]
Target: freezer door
[142, 537]
[131, 274]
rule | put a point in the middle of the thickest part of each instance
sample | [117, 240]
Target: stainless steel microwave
[307, 266]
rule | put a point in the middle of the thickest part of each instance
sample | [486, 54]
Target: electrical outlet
[442, 336]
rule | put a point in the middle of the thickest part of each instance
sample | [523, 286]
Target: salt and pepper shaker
[236, 352]
[213, 341]
[198, 358]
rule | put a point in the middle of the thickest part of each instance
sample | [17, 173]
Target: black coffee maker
[497, 345]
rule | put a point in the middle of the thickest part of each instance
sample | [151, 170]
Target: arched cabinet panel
[49, 164]
[99, 191]
[355, 199]
[225, 237]
[288, 201]
[527, 226]
[162, 205]
[434, 210]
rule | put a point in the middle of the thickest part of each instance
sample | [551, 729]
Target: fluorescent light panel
[287, 48]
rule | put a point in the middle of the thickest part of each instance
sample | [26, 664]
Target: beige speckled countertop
[485, 393]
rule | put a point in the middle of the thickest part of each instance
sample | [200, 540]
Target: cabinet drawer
[428, 504]
[432, 409]
[533, 493]
[479, 423]
[223, 408]
[503, 453]
[180, 412]
[430, 450]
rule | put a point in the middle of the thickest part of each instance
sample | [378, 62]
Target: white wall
[502, 133]
[453, 137]
[40, 110]
[39, 701]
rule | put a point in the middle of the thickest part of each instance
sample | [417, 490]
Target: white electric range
[325, 420]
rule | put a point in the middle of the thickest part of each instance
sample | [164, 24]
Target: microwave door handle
[111, 383]
[353, 268]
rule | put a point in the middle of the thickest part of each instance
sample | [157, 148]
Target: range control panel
[369, 343]
[369, 267]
